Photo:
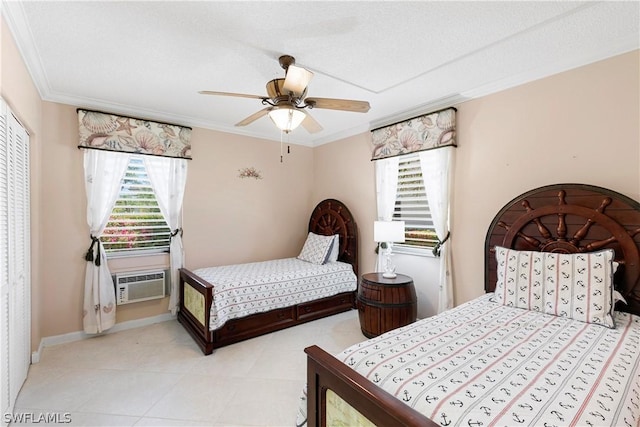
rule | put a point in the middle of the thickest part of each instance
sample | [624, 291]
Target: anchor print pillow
[316, 248]
[335, 249]
[578, 286]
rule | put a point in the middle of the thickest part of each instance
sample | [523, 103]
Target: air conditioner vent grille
[140, 286]
[141, 277]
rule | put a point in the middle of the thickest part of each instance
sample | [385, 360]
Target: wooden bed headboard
[330, 217]
[572, 218]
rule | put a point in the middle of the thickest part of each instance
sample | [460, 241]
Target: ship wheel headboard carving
[571, 218]
[331, 216]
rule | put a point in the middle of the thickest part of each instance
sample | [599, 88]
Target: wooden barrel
[385, 304]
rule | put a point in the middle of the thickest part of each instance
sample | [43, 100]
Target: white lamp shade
[297, 79]
[287, 118]
[388, 231]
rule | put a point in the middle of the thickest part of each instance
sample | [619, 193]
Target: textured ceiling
[150, 58]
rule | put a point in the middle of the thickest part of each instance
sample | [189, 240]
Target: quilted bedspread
[244, 289]
[485, 364]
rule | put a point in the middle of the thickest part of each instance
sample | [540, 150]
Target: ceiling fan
[287, 102]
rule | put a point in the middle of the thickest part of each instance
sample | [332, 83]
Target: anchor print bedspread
[244, 289]
[485, 364]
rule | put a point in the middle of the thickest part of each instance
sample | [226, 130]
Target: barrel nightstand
[385, 304]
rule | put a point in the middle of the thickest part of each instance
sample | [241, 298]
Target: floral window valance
[433, 130]
[110, 132]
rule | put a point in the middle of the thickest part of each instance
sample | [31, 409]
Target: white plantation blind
[136, 222]
[412, 206]
[15, 280]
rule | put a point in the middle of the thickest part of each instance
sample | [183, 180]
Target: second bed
[225, 304]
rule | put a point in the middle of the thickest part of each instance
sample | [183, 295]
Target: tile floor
[157, 376]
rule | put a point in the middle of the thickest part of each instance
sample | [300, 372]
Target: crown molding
[13, 13]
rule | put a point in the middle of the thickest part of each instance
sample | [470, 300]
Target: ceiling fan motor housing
[275, 90]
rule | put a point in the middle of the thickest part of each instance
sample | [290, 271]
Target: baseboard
[80, 335]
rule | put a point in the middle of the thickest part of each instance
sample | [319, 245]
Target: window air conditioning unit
[139, 286]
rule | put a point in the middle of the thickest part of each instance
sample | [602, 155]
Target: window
[412, 206]
[136, 223]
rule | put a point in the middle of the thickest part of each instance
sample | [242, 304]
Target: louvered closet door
[15, 292]
[4, 264]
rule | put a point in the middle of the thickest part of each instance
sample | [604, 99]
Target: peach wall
[226, 219]
[19, 92]
[17, 86]
[344, 171]
[64, 229]
[579, 126]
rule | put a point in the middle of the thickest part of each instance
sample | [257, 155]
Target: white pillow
[579, 286]
[335, 249]
[316, 248]
[617, 296]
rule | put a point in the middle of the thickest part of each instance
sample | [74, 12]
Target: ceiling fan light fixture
[287, 118]
[297, 79]
[286, 101]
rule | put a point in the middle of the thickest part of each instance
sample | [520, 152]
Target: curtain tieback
[176, 231]
[89, 256]
[436, 248]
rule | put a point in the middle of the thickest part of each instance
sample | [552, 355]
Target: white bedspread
[244, 289]
[484, 364]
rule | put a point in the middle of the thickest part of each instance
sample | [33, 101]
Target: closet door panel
[15, 266]
[19, 256]
[5, 393]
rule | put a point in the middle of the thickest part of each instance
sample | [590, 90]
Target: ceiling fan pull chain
[281, 142]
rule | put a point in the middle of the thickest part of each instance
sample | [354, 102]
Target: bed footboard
[326, 373]
[196, 296]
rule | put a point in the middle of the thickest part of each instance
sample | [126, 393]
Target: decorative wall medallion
[249, 173]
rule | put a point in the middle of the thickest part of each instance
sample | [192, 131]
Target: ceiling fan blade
[338, 104]
[296, 80]
[310, 124]
[255, 116]
[240, 95]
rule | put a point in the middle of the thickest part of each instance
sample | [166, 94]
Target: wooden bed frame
[196, 295]
[564, 218]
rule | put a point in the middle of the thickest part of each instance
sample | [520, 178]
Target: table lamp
[388, 232]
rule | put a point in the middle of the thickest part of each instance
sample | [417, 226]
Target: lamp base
[389, 275]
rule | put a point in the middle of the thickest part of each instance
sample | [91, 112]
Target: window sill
[404, 250]
[117, 255]
[139, 261]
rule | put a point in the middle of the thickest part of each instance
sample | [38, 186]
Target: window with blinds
[412, 206]
[136, 223]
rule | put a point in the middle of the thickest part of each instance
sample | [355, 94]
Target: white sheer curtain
[386, 190]
[103, 172]
[437, 173]
[168, 177]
